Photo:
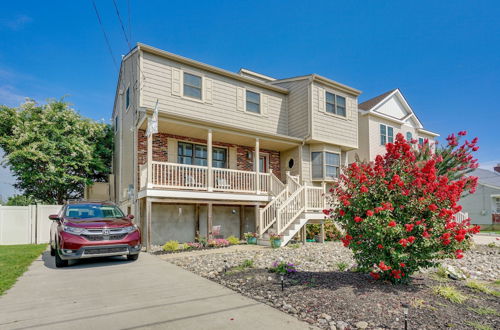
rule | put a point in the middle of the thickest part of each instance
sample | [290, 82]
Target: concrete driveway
[113, 293]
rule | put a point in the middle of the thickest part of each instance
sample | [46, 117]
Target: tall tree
[53, 151]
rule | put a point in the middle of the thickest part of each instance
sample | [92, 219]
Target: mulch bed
[325, 298]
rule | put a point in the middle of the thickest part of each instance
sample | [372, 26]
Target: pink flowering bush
[398, 212]
[218, 242]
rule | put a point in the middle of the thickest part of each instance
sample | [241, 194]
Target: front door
[263, 163]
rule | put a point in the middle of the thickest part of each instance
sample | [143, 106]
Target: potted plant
[275, 240]
[251, 238]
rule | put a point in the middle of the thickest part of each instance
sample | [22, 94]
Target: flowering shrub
[194, 245]
[233, 240]
[283, 268]
[218, 242]
[398, 212]
[171, 246]
[249, 235]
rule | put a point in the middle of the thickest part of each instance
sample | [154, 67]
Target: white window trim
[346, 117]
[324, 178]
[260, 102]
[386, 134]
[197, 74]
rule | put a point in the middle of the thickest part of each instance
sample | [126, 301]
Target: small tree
[53, 151]
[398, 212]
[19, 200]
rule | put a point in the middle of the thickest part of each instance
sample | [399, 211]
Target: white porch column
[148, 219]
[256, 161]
[150, 162]
[322, 232]
[210, 175]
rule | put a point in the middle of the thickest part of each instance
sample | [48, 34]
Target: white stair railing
[291, 209]
[461, 217]
[267, 216]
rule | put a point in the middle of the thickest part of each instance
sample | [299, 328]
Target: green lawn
[15, 260]
[491, 231]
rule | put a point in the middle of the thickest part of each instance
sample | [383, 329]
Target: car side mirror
[130, 216]
[54, 217]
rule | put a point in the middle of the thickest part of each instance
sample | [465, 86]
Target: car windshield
[87, 211]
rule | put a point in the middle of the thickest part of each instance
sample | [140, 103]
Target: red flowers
[407, 199]
[383, 266]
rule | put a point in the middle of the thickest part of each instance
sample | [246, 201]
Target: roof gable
[392, 104]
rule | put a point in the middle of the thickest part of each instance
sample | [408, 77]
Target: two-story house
[234, 152]
[380, 119]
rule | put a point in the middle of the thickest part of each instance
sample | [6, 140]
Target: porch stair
[290, 210]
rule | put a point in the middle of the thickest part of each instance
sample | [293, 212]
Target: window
[386, 134]
[192, 86]
[87, 211]
[116, 124]
[409, 136]
[127, 98]
[326, 163]
[421, 141]
[496, 209]
[196, 154]
[253, 102]
[335, 104]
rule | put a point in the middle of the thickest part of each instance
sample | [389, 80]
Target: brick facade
[160, 151]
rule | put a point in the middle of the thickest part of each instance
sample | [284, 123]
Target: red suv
[90, 229]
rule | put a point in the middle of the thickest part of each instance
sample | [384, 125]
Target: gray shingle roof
[487, 177]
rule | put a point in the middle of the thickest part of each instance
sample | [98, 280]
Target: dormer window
[192, 86]
[335, 104]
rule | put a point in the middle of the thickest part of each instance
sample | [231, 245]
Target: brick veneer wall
[160, 151]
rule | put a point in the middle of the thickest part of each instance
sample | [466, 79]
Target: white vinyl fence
[26, 224]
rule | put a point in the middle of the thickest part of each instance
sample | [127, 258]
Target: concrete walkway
[112, 293]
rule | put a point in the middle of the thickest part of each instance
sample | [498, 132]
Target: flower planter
[252, 240]
[275, 243]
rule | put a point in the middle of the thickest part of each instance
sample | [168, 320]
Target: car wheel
[52, 251]
[133, 256]
[60, 262]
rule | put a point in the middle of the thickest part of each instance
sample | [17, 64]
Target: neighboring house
[380, 119]
[484, 205]
[235, 152]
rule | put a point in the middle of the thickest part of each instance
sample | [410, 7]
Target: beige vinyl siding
[329, 128]
[285, 157]
[221, 109]
[298, 99]
[363, 151]
[124, 155]
[306, 163]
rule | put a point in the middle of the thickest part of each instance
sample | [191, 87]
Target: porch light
[225, 266]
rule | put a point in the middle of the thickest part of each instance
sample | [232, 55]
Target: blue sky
[443, 55]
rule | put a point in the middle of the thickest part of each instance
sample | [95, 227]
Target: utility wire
[121, 24]
[105, 35]
[129, 20]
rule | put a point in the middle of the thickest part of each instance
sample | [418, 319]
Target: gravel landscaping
[325, 292]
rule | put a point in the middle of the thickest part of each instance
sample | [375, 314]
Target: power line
[105, 36]
[121, 24]
[129, 20]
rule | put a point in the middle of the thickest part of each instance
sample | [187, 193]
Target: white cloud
[16, 23]
[10, 97]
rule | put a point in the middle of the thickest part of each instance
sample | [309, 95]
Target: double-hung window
[421, 141]
[196, 154]
[335, 104]
[409, 136]
[192, 86]
[386, 134]
[253, 102]
[325, 165]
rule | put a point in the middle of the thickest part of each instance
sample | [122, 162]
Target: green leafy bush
[171, 246]
[233, 240]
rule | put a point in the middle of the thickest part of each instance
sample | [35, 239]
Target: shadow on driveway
[49, 261]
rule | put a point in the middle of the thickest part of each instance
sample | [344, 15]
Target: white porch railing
[461, 217]
[182, 176]
[315, 198]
